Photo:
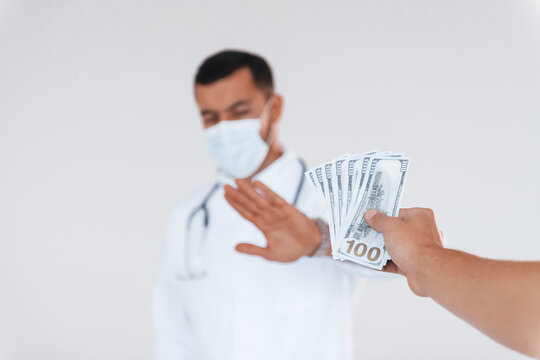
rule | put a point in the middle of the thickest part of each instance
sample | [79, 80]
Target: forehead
[220, 94]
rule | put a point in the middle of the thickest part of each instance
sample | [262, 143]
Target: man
[212, 302]
[500, 298]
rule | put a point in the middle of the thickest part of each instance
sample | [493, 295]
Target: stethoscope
[194, 262]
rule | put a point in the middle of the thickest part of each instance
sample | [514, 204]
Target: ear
[277, 109]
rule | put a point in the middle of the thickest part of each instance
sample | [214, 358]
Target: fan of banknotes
[350, 185]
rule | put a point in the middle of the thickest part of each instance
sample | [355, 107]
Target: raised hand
[289, 233]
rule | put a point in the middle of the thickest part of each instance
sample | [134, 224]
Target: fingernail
[369, 214]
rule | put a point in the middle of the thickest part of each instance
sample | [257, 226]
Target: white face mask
[236, 146]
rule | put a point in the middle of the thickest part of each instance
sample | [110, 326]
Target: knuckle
[430, 213]
[424, 212]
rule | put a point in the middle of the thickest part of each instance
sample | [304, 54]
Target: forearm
[500, 298]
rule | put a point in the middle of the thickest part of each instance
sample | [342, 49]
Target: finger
[427, 212]
[249, 210]
[246, 187]
[270, 194]
[245, 213]
[377, 220]
[235, 196]
[405, 213]
[391, 267]
[251, 249]
[416, 211]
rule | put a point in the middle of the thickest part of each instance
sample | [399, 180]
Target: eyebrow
[231, 107]
[208, 112]
[238, 103]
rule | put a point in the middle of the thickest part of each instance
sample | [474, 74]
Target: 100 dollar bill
[381, 190]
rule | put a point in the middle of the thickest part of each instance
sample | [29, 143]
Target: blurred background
[99, 135]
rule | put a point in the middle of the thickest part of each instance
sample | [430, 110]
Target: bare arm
[500, 298]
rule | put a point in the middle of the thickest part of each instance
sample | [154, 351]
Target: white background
[99, 134]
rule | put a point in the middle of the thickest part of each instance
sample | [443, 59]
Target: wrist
[323, 247]
[424, 268]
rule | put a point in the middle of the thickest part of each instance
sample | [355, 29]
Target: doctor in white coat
[212, 298]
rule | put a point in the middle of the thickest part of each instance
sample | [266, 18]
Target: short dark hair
[224, 63]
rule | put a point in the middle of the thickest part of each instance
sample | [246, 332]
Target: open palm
[289, 233]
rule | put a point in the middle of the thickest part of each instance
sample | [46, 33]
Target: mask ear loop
[266, 112]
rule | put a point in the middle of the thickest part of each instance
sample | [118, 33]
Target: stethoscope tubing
[203, 206]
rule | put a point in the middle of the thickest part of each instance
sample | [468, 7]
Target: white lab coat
[247, 307]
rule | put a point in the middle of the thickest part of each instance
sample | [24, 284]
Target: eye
[241, 113]
[210, 120]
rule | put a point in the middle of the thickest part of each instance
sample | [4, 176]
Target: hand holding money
[410, 239]
[289, 233]
[350, 185]
[498, 297]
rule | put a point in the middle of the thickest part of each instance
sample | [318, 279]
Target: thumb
[251, 249]
[377, 220]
